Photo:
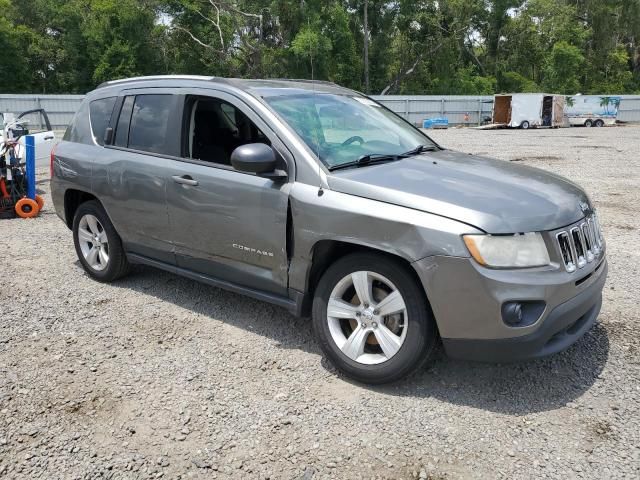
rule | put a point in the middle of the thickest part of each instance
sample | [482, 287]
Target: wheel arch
[73, 198]
[326, 252]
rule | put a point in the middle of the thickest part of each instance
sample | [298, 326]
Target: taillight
[52, 157]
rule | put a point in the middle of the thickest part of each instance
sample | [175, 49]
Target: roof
[528, 94]
[258, 87]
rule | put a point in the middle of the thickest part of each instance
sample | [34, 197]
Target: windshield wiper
[420, 149]
[368, 160]
[383, 157]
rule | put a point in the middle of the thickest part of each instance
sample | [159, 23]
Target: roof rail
[155, 77]
[301, 80]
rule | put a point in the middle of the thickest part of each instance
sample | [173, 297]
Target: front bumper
[466, 300]
[562, 327]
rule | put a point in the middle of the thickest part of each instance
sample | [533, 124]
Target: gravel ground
[158, 376]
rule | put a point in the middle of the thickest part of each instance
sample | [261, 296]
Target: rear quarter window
[78, 130]
[100, 114]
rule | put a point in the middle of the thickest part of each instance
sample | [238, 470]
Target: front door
[39, 127]
[227, 224]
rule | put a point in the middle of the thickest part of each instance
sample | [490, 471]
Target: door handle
[185, 180]
[49, 137]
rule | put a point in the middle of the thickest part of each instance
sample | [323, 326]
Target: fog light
[512, 313]
[522, 313]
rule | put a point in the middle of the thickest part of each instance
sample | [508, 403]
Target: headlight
[514, 251]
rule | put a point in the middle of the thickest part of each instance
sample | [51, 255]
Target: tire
[525, 125]
[413, 328]
[588, 123]
[27, 208]
[109, 262]
[40, 202]
[598, 123]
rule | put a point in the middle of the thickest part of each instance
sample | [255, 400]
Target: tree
[563, 68]
[405, 46]
[14, 75]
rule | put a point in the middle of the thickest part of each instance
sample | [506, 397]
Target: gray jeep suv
[318, 199]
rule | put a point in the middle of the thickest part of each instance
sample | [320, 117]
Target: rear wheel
[525, 125]
[40, 202]
[27, 208]
[97, 243]
[598, 123]
[588, 123]
[372, 319]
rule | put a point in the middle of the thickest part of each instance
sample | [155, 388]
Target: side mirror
[257, 158]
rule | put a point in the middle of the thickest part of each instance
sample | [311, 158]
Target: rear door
[558, 110]
[227, 224]
[131, 177]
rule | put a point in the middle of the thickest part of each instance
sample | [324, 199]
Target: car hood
[493, 195]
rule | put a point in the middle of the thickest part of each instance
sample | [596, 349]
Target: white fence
[459, 109]
[60, 108]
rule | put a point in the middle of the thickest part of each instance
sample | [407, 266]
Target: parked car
[318, 199]
[31, 122]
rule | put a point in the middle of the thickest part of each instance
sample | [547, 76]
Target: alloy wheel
[93, 242]
[367, 317]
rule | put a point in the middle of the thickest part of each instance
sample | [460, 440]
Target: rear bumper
[561, 328]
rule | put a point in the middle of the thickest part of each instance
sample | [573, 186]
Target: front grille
[581, 244]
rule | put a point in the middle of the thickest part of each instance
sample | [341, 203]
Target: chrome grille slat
[568, 257]
[588, 245]
[592, 232]
[580, 244]
[598, 231]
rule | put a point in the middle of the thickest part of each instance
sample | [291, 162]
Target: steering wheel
[350, 140]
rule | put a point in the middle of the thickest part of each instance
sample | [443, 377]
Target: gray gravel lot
[159, 376]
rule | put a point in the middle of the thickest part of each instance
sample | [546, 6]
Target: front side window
[100, 114]
[343, 128]
[216, 129]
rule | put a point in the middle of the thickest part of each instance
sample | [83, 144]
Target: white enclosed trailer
[592, 110]
[526, 110]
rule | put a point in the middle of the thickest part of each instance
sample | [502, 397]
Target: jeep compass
[319, 199]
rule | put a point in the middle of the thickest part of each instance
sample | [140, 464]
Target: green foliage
[311, 45]
[563, 68]
[510, 82]
[613, 75]
[415, 46]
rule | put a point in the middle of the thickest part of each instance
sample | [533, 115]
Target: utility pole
[366, 47]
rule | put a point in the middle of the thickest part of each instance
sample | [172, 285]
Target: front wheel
[372, 319]
[525, 125]
[97, 243]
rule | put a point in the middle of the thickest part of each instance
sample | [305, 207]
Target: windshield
[342, 128]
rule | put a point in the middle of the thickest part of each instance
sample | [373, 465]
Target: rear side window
[149, 121]
[100, 114]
